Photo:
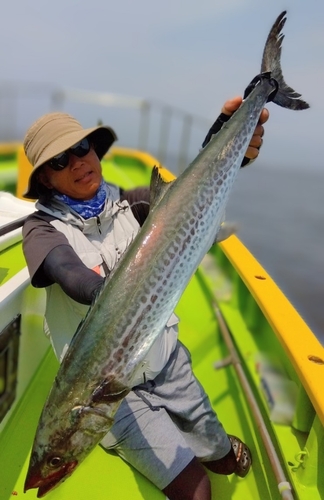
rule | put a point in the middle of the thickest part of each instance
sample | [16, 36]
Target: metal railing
[167, 132]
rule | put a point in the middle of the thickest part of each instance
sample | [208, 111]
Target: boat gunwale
[284, 320]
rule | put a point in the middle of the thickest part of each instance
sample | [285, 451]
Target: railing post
[143, 135]
[184, 143]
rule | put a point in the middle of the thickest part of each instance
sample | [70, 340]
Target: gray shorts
[163, 424]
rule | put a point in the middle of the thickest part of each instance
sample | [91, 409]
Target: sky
[188, 54]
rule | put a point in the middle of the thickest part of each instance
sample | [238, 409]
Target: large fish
[137, 300]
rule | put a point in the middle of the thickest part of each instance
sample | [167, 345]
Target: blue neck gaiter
[86, 208]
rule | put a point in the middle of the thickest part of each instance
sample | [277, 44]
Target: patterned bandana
[87, 208]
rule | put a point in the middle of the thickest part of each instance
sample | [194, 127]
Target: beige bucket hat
[54, 133]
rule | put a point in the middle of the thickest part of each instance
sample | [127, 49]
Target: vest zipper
[99, 224]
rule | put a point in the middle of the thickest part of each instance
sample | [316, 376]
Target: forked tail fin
[286, 96]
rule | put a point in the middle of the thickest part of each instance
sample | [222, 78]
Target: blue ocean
[280, 213]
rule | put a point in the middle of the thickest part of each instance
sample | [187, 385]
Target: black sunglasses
[61, 161]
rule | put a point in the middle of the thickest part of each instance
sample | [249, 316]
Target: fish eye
[54, 461]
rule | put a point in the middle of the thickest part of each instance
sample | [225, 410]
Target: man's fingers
[256, 141]
[251, 153]
[264, 116]
[259, 130]
[232, 105]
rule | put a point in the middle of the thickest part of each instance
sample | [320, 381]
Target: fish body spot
[126, 340]
[118, 355]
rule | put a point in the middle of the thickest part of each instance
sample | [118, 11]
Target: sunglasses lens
[81, 149]
[60, 161]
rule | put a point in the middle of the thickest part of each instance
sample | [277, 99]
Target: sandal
[243, 456]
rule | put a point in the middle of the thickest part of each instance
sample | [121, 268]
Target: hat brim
[101, 137]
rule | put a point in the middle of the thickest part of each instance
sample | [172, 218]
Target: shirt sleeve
[139, 201]
[63, 266]
[51, 259]
[39, 239]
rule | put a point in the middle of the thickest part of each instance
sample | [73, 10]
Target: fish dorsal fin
[158, 186]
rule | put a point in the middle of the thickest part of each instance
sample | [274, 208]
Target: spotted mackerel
[140, 295]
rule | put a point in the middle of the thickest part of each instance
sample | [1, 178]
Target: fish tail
[285, 96]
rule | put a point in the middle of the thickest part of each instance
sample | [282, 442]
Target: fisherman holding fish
[80, 230]
[114, 266]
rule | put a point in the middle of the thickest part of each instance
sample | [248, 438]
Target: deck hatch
[9, 348]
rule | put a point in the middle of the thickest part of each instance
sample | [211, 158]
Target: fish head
[48, 472]
[61, 445]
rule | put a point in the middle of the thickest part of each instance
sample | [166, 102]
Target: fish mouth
[45, 484]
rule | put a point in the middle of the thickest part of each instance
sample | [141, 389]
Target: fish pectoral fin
[158, 186]
[92, 420]
[225, 231]
[109, 391]
[81, 411]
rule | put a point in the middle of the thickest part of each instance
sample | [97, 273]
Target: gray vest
[99, 242]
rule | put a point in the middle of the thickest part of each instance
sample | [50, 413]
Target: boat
[260, 364]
